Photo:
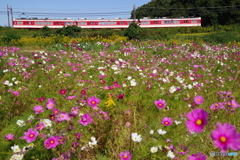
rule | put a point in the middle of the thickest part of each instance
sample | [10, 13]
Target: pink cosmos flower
[51, 142]
[74, 111]
[197, 119]
[38, 109]
[40, 126]
[50, 104]
[160, 103]
[199, 99]
[71, 97]
[85, 119]
[30, 135]
[166, 121]
[9, 137]
[78, 135]
[16, 93]
[232, 103]
[198, 156]
[125, 155]
[63, 117]
[226, 136]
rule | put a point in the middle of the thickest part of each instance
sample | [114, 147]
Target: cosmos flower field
[125, 100]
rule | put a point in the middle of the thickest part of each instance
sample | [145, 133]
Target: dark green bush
[69, 31]
[133, 31]
[9, 37]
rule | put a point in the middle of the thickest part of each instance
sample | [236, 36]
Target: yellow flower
[110, 101]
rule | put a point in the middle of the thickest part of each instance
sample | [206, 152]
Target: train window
[28, 23]
[195, 21]
[187, 21]
[92, 23]
[82, 23]
[43, 23]
[176, 22]
[58, 23]
[122, 22]
[168, 22]
[155, 22]
[145, 22]
[19, 23]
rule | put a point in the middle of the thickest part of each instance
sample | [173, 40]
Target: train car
[117, 23]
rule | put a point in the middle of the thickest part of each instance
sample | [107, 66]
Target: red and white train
[117, 23]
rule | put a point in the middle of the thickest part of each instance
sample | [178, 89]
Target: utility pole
[11, 16]
[134, 12]
[8, 16]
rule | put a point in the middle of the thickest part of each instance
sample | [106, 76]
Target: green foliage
[9, 37]
[133, 31]
[69, 31]
[46, 31]
[212, 12]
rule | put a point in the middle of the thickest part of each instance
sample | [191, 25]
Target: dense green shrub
[9, 37]
[133, 31]
[69, 31]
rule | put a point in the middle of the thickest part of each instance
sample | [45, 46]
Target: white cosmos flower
[21, 123]
[47, 122]
[162, 132]
[172, 89]
[129, 77]
[114, 67]
[15, 148]
[93, 142]
[136, 137]
[31, 117]
[170, 154]
[154, 149]
[17, 157]
[154, 71]
[133, 82]
[151, 132]
[177, 122]
[6, 82]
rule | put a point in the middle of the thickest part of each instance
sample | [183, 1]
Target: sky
[91, 9]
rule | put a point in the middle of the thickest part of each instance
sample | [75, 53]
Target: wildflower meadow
[126, 100]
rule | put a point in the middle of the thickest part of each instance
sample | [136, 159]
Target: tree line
[212, 12]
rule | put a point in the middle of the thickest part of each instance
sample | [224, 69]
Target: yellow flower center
[160, 104]
[51, 142]
[31, 135]
[199, 122]
[93, 102]
[125, 156]
[223, 139]
[166, 122]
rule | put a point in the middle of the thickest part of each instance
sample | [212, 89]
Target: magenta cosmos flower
[199, 100]
[226, 136]
[160, 103]
[38, 109]
[93, 101]
[62, 91]
[198, 156]
[125, 155]
[85, 119]
[166, 121]
[51, 142]
[30, 135]
[9, 137]
[197, 119]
